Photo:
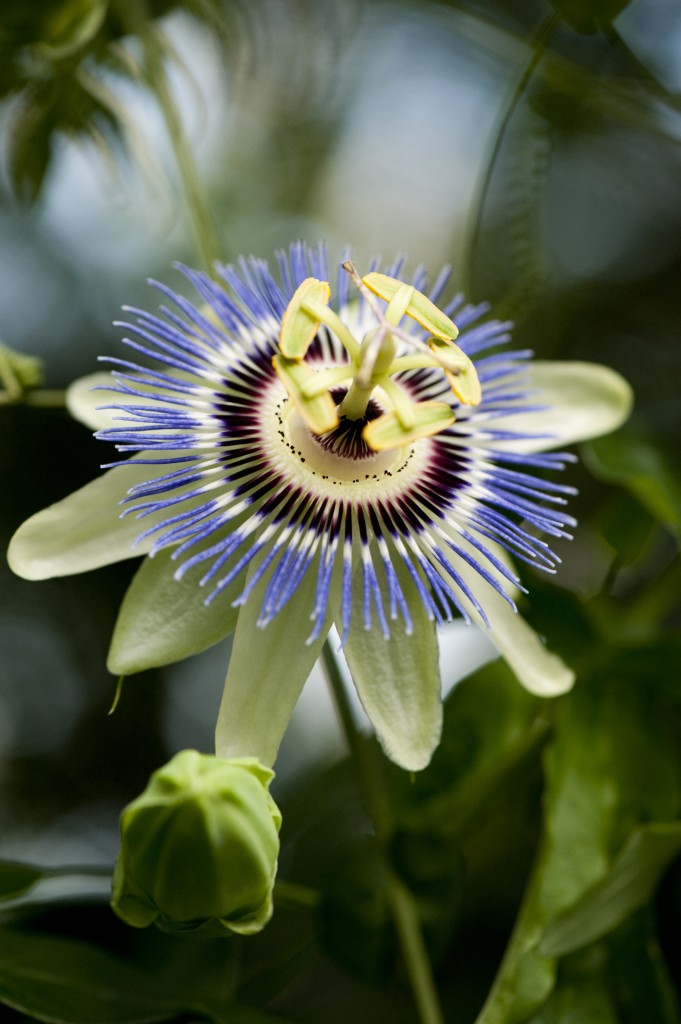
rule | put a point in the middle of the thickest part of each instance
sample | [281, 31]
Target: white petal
[84, 531]
[398, 679]
[83, 402]
[539, 671]
[583, 400]
[89, 399]
[267, 671]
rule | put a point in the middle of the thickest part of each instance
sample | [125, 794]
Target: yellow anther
[319, 410]
[459, 370]
[299, 326]
[387, 431]
[401, 404]
[419, 308]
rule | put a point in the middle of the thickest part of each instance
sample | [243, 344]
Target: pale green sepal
[163, 620]
[267, 671]
[583, 400]
[420, 308]
[83, 401]
[536, 668]
[83, 531]
[398, 679]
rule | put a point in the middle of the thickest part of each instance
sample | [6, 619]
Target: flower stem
[295, 895]
[206, 237]
[402, 903]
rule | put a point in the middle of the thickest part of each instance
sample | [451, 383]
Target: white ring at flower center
[340, 467]
[301, 460]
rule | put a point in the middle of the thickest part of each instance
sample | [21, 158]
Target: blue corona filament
[239, 489]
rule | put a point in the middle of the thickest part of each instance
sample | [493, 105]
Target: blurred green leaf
[71, 25]
[645, 991]
[628, 885]
[610, 766]
[18, 372]
[634, 462]
[626, 525]
[588, 15]
[68, 982]
[30, 147]
[477, 749]
[434, 870]
[582, 1002]
[58, 103]
[358, 927]
[16, 879]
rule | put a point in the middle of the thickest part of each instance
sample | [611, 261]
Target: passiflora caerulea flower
[295, 461]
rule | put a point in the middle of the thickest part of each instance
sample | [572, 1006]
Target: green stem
[402, 903]
[501, 996]
[140, 23]
[539, 44]
[41, 397]
[295, 895]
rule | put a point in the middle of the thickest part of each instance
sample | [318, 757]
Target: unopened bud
[199, 848]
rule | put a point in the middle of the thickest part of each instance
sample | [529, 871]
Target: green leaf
[581, 1002]
[587, 16]
[267, 671]
[626, 525]
[16, 879]
[398, 678]
[67, 982]
[30, 146]
[636, 463]
[477, 750]
[71, 26]
[629, 884]
[358, 927]
[163, 619]
[610, 766]
[643, 986]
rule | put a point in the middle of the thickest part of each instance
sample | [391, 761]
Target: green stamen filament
[401, 404]
[334, 322]
[372, 363]
[376, 354]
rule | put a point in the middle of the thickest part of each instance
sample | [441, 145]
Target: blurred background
[534, 146]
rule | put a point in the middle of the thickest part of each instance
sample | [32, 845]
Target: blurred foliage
[542, 844]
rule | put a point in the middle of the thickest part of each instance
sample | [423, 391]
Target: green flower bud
[199, 848]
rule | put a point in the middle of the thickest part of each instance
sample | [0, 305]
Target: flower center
[342, 453]
[370, 366]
